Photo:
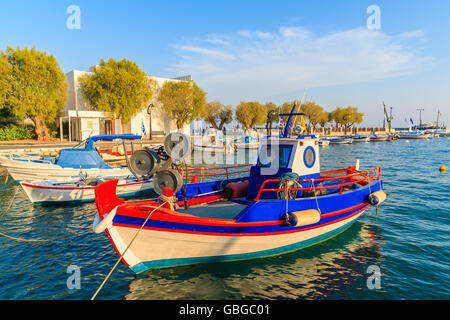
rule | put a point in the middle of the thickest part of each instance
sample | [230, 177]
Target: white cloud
[208, 53]
[260, 65]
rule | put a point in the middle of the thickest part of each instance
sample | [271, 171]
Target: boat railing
[227, 171]
[350, 178]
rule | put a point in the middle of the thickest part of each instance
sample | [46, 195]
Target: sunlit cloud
[254, 64]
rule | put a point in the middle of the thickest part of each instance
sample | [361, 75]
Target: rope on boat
[126, 249]
[35, 240]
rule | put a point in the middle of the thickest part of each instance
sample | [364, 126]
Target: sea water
[403, 252]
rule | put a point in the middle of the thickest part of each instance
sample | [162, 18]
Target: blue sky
[260, 50]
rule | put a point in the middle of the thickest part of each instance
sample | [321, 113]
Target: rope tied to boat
[315, 195]
[126, 249]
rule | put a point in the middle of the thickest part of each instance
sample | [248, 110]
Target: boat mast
[437, 120]
[288, 123]
[420, 117]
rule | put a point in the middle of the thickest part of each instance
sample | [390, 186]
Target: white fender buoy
[376, 198]
[100, 225]
[302, 218]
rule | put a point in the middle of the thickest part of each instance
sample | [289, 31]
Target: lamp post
[149, 111]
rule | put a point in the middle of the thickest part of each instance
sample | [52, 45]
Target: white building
[78, 121]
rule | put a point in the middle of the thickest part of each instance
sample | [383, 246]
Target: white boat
[323, 142]
[414, 135]
[81, 190]
[213, 143]
[70, 163]
[247, 142]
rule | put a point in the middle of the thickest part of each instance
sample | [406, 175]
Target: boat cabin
[277, 156]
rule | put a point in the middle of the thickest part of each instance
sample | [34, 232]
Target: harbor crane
[389, 118]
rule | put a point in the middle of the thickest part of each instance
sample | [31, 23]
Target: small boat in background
[213, 143]
[359, 138]
[69, 163]
[377, 138]
[247, 142]
[338, 140]
[323, 143]
[414, 135]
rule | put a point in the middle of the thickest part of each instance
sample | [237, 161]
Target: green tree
[250, 114]
[32, 85]
[324, 118]
[272, 111]
[183, 101]
[314, 114]
[119, 87]
[347, 117]
[217, 114]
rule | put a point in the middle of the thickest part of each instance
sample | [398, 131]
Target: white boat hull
[157, 249]
[47, 192]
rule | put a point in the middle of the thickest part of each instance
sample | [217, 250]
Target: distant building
[78, 121]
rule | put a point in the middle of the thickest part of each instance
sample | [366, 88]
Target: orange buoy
[442, 168]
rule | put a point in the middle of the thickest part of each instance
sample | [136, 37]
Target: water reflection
[329, 270]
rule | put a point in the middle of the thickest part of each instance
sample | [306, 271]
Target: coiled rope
[287, 193]
[126, 249]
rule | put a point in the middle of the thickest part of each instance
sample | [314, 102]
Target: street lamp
[149, 111]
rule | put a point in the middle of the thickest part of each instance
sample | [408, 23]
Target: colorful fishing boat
[285, 203]
[83, 158]
[81, 190]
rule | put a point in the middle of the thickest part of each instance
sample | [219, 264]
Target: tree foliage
[32, 85]
[272, 111]
[119, 87]
[183, 101]
[250, 114]
[314, 114]
[217, 114]
[347, 117]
